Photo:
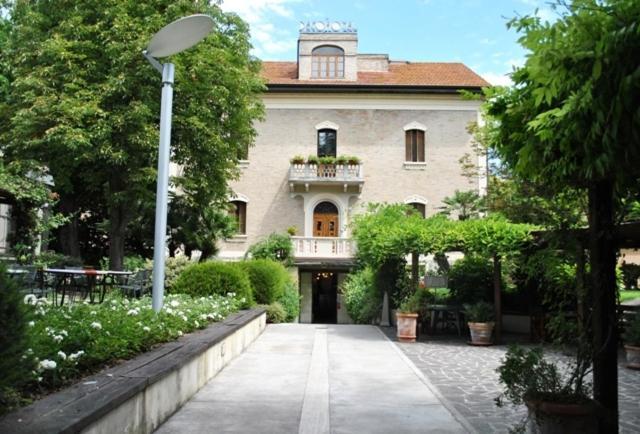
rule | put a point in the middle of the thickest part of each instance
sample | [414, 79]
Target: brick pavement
[465, 376]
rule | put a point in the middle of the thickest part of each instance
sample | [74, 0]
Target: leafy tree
[84, 103]
[198, 226]
[572, 119]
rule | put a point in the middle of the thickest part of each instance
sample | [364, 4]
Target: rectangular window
[414, 146]
[327, 139]
[238, 210]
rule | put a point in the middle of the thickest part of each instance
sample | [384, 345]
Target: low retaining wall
[137, 396]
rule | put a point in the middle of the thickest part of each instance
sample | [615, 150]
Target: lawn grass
[628, 295]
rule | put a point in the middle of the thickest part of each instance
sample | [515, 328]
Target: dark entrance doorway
[325, 295]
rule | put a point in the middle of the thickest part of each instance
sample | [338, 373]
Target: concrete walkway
[299, 378]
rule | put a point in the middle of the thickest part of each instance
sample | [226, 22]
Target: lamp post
[171, 39]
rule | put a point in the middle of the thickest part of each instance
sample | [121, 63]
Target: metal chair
[137, 284]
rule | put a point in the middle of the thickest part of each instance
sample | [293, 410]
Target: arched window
[238, 210]
[327, 61]
[419, 207]
[327, 139]
[414, 145]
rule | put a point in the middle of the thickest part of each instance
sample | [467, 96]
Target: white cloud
[497, 79]
[268, 40]
[487, 41]
[514, 63]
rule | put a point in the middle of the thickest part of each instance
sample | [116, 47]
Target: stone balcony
[343, 175]
[323, 247]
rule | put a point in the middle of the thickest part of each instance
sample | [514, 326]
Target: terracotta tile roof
[399, 74]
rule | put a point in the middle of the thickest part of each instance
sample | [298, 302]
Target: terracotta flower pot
[481, 333]
[407, 323]
[633, 356]
[559, 418]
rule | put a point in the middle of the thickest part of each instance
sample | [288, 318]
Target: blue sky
[470, 31]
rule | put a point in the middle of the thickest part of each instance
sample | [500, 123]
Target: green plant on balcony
[328, 160]
[297, 159]
[313, 159]
[353, 161]
[342, 160]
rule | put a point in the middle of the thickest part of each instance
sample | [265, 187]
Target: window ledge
[415, 165]
[243, 163]
[237, 239]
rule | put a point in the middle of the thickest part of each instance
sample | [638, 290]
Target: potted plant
[342, 160]
[558, 400]
[407, 318]
[313, 160]
[353, 161]
[297, 160]
[480, 321]
[326, 167]
[632, 342]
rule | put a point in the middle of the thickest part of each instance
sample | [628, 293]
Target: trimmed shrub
[290, 300]
[471, 280]
[361, 297]
[209, 278]
[275, 313]
[173, 267]
[13, 324]
[268, 279]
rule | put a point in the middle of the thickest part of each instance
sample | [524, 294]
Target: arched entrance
[325, 220]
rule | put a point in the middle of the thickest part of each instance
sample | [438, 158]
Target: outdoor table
[65, 282]
[444, 311]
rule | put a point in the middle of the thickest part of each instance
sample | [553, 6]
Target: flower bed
[66, 343]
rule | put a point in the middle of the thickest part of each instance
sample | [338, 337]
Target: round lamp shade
[180, 35]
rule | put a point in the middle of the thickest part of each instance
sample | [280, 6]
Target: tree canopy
[393, 231]
[83, 101]
[572, 119]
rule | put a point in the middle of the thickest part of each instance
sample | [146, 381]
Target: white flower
[93, 312]
[196, 323]
[47, 364]
[184, 318]
[62, 355]
[39, 379]
[30, 299]
[42, 300]
[32, 323]
[133, 312]
[74, 356]
[64, 332]
[146, 329]
[29, 351]
[96, 325]
[58, 338]
[174, 303]
[169, 310]
[203, 317]
[179, 333]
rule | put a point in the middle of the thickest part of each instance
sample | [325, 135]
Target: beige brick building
[405, 122]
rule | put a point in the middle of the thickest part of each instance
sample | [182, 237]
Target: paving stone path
[465, 376]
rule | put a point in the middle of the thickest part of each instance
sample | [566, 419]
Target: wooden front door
[325, 220]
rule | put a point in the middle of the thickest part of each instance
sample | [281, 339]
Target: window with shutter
[414, 146]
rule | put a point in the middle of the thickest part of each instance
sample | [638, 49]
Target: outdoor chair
[137, 284]
[27, 277]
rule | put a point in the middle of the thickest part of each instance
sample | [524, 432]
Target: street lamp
[171, 39]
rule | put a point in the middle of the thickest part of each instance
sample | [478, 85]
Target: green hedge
[209, 278]
[471, 280]
[276, 313]
[361, 296]
[268, 279]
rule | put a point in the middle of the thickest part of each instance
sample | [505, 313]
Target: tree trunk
[497, 296]
[118, 220]
[68, 233]
[443, 262]
[415, 276]
[605, 340]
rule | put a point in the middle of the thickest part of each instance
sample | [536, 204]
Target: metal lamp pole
[171, 39]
